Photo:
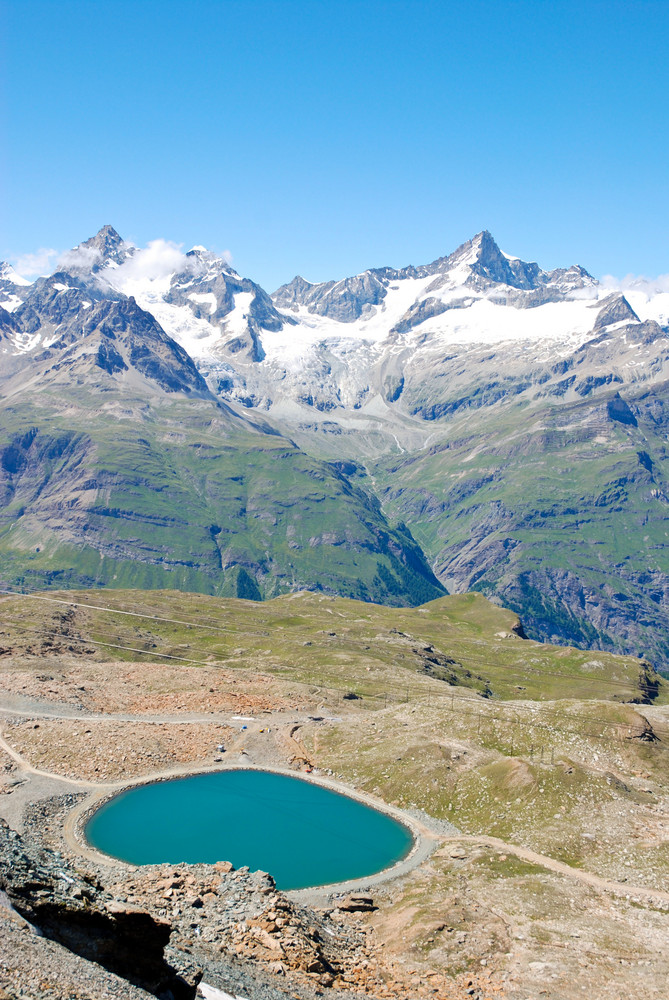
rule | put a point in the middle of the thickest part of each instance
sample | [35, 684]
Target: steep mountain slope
[118, 465]
[176, 499]
[559, 512]
[514, 419]
[68, 328]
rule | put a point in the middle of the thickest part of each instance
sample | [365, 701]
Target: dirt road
[266, 743]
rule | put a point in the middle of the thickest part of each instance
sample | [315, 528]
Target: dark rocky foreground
[72, 929]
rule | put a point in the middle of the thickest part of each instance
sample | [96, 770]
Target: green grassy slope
[561, 513]
[178, 495]
[451, 644]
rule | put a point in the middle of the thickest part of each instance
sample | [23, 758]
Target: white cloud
[587, 292]
[79, 259]
[637, 283]
[32, 265]
[158, 259]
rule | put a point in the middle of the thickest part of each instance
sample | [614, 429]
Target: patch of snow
[60, 287]
[205, 298]
[290, 343]
[486, 322]
[12, 303]
[197, 336]
[25, 342]
[564, 325]
[213, 993]
[236, 322]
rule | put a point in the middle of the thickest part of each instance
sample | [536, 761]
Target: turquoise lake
[298, 831]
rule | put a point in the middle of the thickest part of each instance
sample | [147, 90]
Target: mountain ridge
[483, 418]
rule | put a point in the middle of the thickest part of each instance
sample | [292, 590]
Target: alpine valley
[476, 423]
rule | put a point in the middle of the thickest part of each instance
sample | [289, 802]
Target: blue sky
[322, 138]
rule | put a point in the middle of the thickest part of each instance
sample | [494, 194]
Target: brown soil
[111, 751]
[140, 687]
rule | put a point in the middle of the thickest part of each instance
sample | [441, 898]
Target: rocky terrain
[163, 927]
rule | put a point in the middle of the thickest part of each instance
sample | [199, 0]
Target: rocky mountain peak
[615, 309]
[294, 293]
[344, 301]
[105, 249]
[479, 263]
[479, 248]
[490, 261]
[7, 273]
[204, 261]
[198, 252]
[487, 245]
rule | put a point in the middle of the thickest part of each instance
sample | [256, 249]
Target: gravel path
[253, 749]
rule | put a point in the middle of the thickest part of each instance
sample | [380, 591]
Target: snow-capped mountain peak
[340, 345]
[480, 261]
[7, 273]
[13, 287]
[480, 265]
[104, 250]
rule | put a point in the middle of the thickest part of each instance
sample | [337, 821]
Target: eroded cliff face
[75, 911]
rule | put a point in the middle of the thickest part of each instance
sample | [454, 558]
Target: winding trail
[560, 868]
[288, 730]
[26, 766]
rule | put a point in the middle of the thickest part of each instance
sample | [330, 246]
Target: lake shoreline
[424, 840]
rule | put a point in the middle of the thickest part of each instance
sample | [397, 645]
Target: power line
[134, 614]
[265, 634]
[95, 642]
[115, 633]
[569, 717]
[588, 720]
